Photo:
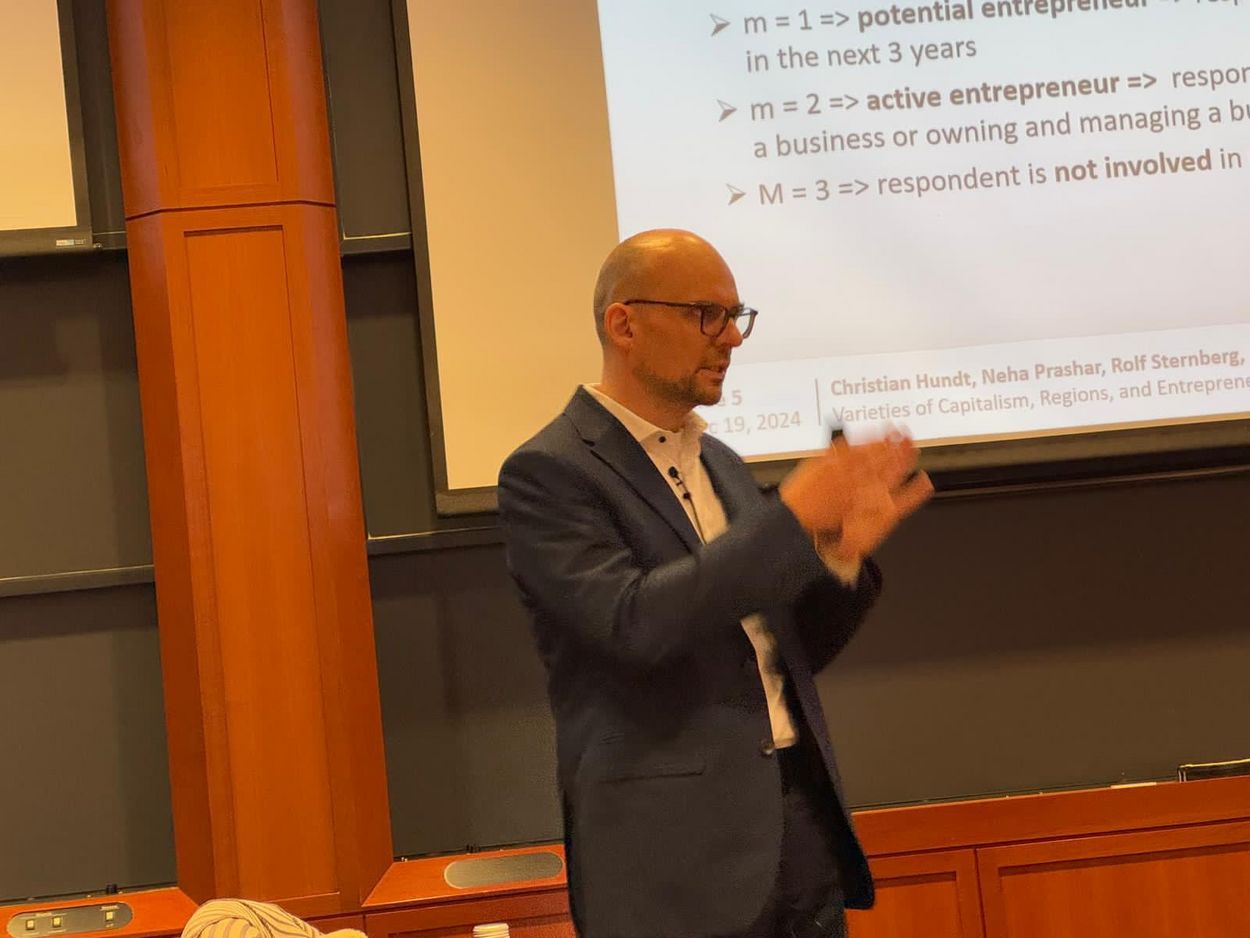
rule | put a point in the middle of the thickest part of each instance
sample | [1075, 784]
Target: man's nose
[731, 335]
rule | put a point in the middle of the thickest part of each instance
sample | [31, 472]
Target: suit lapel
[613, 445]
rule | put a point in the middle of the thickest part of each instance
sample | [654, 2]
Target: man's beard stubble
[684, 392]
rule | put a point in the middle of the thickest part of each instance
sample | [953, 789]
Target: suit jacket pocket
[614, 771]
[619, 759]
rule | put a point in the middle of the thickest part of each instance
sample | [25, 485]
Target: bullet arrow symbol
[725, 108]
[719, 23]
[734, 193]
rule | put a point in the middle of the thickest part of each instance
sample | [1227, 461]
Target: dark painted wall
[84, 800]
[84, 797]
[1049, 641]
[69, 405]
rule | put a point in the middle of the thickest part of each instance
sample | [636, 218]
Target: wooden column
[267, 649]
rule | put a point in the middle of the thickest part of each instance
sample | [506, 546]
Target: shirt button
[767, 748]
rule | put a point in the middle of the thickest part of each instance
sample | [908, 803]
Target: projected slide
[978, 218]
[39, 194]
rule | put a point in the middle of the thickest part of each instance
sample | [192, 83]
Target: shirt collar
[642, 429]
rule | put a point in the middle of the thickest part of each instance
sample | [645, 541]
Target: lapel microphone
[685, 494]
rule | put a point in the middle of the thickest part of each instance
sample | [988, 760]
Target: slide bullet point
[725, 108]
[734, 193]
[719, 23]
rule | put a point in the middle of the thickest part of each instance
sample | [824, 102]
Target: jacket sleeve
[573, 567]
[829, 613]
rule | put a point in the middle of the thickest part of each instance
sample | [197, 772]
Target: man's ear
[618, 326]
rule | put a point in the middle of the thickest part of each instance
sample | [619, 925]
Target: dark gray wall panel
[84, 796]
[391, 426]
[108, 218]
[71, 462]
[361, 83]
[470, 750]
[1049, 641]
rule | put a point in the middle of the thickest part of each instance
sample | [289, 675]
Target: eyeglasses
[713, 318]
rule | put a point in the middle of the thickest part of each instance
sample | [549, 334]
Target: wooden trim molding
[1048, 816]
[422, 882]
[547, 904]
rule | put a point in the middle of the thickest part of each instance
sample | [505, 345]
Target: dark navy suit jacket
[670, 789]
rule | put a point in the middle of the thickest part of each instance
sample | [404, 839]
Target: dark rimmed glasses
[713, 318]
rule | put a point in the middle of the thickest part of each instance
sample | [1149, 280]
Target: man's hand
[857, 494]
[875, 511]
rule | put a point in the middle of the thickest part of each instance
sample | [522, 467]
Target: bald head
[657, 360]
[643, 263]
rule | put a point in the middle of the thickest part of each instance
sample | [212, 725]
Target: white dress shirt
[682, 449]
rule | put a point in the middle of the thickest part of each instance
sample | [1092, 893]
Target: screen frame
[78, 237]
[1217, 445]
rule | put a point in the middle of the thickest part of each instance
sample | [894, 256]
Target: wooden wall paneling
[258, 535]
[349, 677]
[546, 927]
[1048, 816]
[188, 665]
[549, 926]
[1150, 884]
[338, 922]
[282, 667]
[424, 881]
[927, 895]
[257, 576]
[219, 104]
[537, 914]
[934, 887]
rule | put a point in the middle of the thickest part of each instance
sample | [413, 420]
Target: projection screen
[43, 179]
[1016, 227]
